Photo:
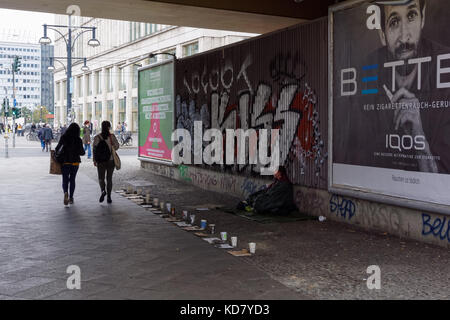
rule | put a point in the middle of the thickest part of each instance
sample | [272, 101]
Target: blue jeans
[69, 173]
[43, 144]
[88, 148]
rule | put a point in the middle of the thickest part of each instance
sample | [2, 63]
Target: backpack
[102, 153]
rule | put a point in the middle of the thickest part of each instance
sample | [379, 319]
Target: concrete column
[116, 75]
[63, 113]
[94, 94]
[57, 105]
[129, 100]
[56, 115]
[179, 51]
[85, 95]
[201, 44]
[104, 94]
[75, 98]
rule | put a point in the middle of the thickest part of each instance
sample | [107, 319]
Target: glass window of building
[122, 83]
[122, 110]
[80, 86]
[98, 81]
[57, 90]
[98, 111]
[109, 111]
[135, 76]
[134, 115]
[89, 84]
[109, 77]
[190, 49]
[65, 89]
[89, 111]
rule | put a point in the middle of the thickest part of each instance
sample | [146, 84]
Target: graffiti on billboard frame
[283, 101]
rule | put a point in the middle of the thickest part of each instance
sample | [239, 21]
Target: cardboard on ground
[240, 253]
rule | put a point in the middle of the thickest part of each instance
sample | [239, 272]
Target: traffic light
[16, 64]
[5, 106]
[16, 112]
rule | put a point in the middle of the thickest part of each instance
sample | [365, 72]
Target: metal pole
[69, 70]
[13, 117]
[6, 136]
[6, 145]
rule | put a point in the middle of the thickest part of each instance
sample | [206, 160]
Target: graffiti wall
[275, 81]
[387, 219]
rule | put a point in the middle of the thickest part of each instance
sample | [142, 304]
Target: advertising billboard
[390, 68]
[155, 94]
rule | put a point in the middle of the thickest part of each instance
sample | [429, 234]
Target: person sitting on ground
[276, 198]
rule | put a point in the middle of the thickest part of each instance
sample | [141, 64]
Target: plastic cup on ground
[185, 215]
[252, 247]
[168, 205]
[234, 241]
[192, 218]
[223, 236]
[203, 224]
[213, 228]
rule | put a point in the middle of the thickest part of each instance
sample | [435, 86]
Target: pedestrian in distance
[68, 152]
[41, 138]
[118, 128]
[48, 136]
[103, 145]
[87, 138]
[63, 129]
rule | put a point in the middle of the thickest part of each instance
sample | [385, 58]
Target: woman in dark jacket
[72, 150]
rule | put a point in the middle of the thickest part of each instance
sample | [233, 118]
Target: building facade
[108, 91]
[47, 84]
[27, 80]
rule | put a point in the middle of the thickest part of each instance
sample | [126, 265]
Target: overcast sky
[23, 26]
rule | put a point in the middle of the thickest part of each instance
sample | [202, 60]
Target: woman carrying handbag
[106, 159]
[68, 152]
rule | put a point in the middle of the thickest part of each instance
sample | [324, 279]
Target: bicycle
[125, 139]
[32, 136]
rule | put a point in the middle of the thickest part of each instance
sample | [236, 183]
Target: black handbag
[59, 154]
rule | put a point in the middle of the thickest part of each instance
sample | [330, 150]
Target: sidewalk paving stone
[118, 247]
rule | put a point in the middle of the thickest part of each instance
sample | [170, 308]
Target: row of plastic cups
[203, 224]
[251, 245]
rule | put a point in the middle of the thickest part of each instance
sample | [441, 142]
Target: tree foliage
[39, 114]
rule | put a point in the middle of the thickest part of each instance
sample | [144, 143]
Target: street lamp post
[70, 44]
[152, 55]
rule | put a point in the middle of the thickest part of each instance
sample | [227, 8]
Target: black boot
[109, 200]
[102, 197]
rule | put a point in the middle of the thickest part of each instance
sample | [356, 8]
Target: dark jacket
[73, 149]
[276, 199]
[41, 133]
[47, 134]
